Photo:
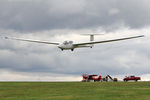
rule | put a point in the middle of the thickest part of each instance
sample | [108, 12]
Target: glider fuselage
[68, 45]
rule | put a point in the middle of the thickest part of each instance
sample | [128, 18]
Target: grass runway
[74, 91]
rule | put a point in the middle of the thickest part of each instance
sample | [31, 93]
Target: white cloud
[24, 76]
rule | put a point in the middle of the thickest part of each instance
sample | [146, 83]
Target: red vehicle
[131, 78]
[87, 78]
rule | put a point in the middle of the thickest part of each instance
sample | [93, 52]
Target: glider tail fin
[92, 36]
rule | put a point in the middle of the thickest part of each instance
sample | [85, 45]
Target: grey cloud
[71, 14]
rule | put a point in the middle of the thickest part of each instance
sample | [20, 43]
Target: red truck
[131, 78]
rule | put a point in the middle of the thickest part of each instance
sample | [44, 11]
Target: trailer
[109, 78]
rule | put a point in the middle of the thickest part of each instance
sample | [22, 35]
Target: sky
[59, 20]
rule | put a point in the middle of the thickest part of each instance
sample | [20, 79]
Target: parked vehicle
[88, 78]
[131, 78]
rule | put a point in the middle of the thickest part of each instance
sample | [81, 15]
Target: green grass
[74, 91]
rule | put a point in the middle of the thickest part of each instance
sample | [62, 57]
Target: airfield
[74, 90]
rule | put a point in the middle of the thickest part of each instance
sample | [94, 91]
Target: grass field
[74, 91]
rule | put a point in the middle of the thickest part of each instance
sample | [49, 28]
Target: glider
[69, 45]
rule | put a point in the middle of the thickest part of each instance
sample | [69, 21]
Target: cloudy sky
[59, 20]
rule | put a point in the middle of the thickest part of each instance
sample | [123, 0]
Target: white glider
[69, 45]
